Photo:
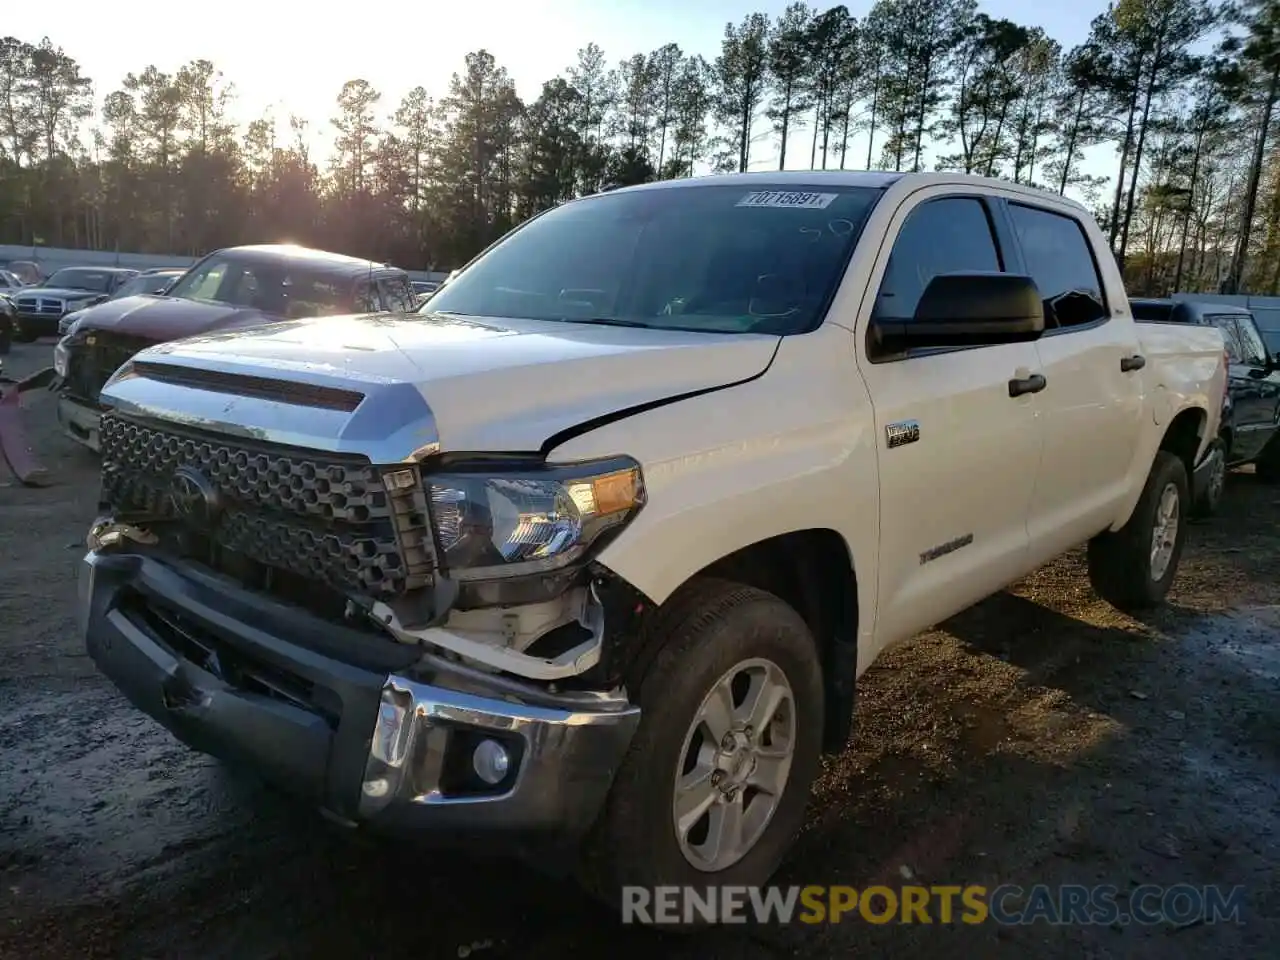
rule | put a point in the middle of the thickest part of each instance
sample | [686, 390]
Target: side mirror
[968, 310]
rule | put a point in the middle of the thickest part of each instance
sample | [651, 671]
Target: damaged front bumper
[80, 422]
[369, 730]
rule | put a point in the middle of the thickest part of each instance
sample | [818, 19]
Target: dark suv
[41, 307]
[1251, 408]
[227, 290]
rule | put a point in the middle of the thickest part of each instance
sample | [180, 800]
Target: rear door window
[1252, 348]
[1060, 261]
[1230, 336]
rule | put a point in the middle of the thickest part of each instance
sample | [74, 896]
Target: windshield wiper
[607, 322]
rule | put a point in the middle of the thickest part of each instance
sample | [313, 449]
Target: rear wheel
[1132, 568]
[714, 785]
[1210, 498]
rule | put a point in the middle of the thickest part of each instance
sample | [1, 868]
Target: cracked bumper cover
[360, 740]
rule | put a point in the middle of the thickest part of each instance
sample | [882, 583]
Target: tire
[1267, 466]
[712, 629]
[1120, 562]
[1210, 498]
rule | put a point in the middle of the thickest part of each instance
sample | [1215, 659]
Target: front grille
[94, 357]
[326, 517]
[40, 307]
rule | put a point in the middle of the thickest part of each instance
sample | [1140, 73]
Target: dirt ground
[1038, 738]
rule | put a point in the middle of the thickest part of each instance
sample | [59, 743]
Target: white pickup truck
[590, 553]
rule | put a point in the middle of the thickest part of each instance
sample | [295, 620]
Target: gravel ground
[1038, 738]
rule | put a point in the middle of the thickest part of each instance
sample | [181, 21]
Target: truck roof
[336, 264]
[876, 179]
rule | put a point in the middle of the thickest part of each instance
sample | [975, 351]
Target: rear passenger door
[1091, 407]
[957, 454]
[1255, 390]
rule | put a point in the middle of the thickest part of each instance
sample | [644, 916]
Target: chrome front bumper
[369, 731]
[79, 422]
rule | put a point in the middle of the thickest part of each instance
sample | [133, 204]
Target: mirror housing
[968, 310]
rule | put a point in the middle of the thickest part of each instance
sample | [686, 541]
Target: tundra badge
[901, 433]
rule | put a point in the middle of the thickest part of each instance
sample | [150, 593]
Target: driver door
[957, 453]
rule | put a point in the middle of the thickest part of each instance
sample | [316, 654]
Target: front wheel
[1132, 568]
[713, 788]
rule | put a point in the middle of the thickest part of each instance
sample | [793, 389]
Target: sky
[291, 57]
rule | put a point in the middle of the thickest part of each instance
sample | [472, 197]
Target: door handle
[1136, 362]
[1032, 384]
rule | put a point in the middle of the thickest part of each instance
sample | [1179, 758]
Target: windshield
[148, 283]
[80, 278]
[281, 289]
[717, 258]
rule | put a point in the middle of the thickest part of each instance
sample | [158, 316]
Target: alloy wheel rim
[734, 765]
[1164, 533]
[1217, 475]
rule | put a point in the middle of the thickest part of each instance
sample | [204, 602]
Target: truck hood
[389, 387]
[165, 318]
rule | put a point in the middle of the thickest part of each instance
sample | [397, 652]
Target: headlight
[60, 357]
[68, 322]
[505, 523]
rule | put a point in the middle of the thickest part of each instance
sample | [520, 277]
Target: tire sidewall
[639, 819]
[1169, 470]
[1207, 504]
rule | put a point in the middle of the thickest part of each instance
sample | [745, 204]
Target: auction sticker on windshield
[787, 198]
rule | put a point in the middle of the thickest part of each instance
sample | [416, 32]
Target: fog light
[491, 762]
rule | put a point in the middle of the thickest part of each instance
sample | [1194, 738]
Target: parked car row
[228, 290]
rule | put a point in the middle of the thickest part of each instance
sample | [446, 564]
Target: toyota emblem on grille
[195, 499]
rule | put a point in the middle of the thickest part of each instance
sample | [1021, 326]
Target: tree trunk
[813, 150]
[1137, 159]
[871, 126]
[1070, 151]
[786, 126]
[1124, 166]
[1236, 272]
[1186, 218]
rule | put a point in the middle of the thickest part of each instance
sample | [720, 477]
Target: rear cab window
[397, 295]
